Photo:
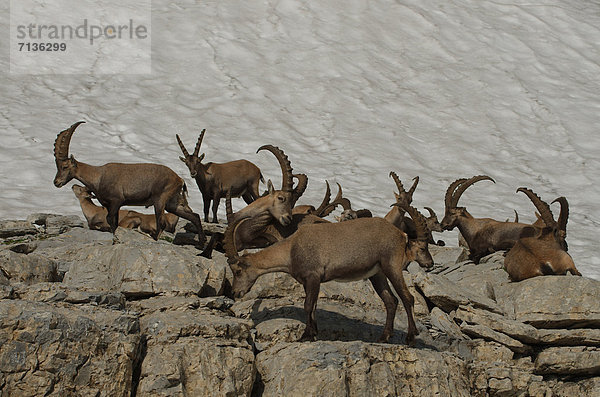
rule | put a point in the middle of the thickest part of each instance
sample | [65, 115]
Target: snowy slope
[350, 90]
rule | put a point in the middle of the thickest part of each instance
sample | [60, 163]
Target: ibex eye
[281, 198]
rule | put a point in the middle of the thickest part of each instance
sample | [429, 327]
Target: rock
[586, 387]
[16, 228]
[28, 269]
[481, 331]
[448, 296]
[442, 322]
[568, 361]
[448, 255]
[358, 369]
[553, 301]
[193, 351]
[483, 278]
[49, 349]
[515, 329]
[57, 224]
[146, 268]
[57, 292]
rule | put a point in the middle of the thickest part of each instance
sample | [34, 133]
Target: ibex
[397, 218]
[274, 207]
[214, 180]
[326, 207]
[347, 251]
[96, 215]
[544, 253]
[482, 235]
[118, 184]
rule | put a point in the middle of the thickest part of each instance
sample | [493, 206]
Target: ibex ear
[397, 196]
[182, 158]
[270, 186]
[201, 157]
[72, 161]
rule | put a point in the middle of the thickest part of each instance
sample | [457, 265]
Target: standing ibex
[544, 253]
[214, 180]
[482, 235]
[347, 251]
[118, 184]
[96, 215]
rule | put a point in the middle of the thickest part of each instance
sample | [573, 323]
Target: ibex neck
[275, 258]
[87, 174]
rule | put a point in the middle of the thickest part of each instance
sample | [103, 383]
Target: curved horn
[284, 163]
[541, 206]
[199, 143]
[183, 149]
[420, 222]
[432, 213]
[450, 192]
[61, 144]
[229, 242]
[463, 186]
[564, 213]
[413, 187]
[516, 216]
[325, 201]
[398, 182]
[300, 187]
[339, 200]
[228, 207]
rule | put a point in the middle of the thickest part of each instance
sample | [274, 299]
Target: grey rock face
[48, 349]
[553, 301]
[359, 369]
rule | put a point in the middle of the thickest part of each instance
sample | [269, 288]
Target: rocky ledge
[81, 316]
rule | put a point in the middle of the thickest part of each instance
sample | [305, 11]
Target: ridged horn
[325, 201]
[339, 200]
[63, 139]
[542, 206]
[228, 208]
[413, 187]
[300, 187]
[286, 167]
[432, 213]
[420, 222]
[398, 182]
[463, 186]
[450, 192]
[563, 218]
[229, 242]
[199, 143]
[182, 146]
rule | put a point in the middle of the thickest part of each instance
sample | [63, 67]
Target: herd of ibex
[296, 238]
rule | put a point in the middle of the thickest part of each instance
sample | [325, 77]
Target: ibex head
[419, 248]
[452, 212]
[82, 192]
[558, 229]
[433, 223]
[193, 161]
[282, 200]
[65, 165]
[244, 276]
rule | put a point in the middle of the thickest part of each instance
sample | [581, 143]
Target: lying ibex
[347, 251]
[118, 184]
[482, 235]
[326, 207]
[397, 218]
[214, 180]
[96, 215]
[544, 253]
